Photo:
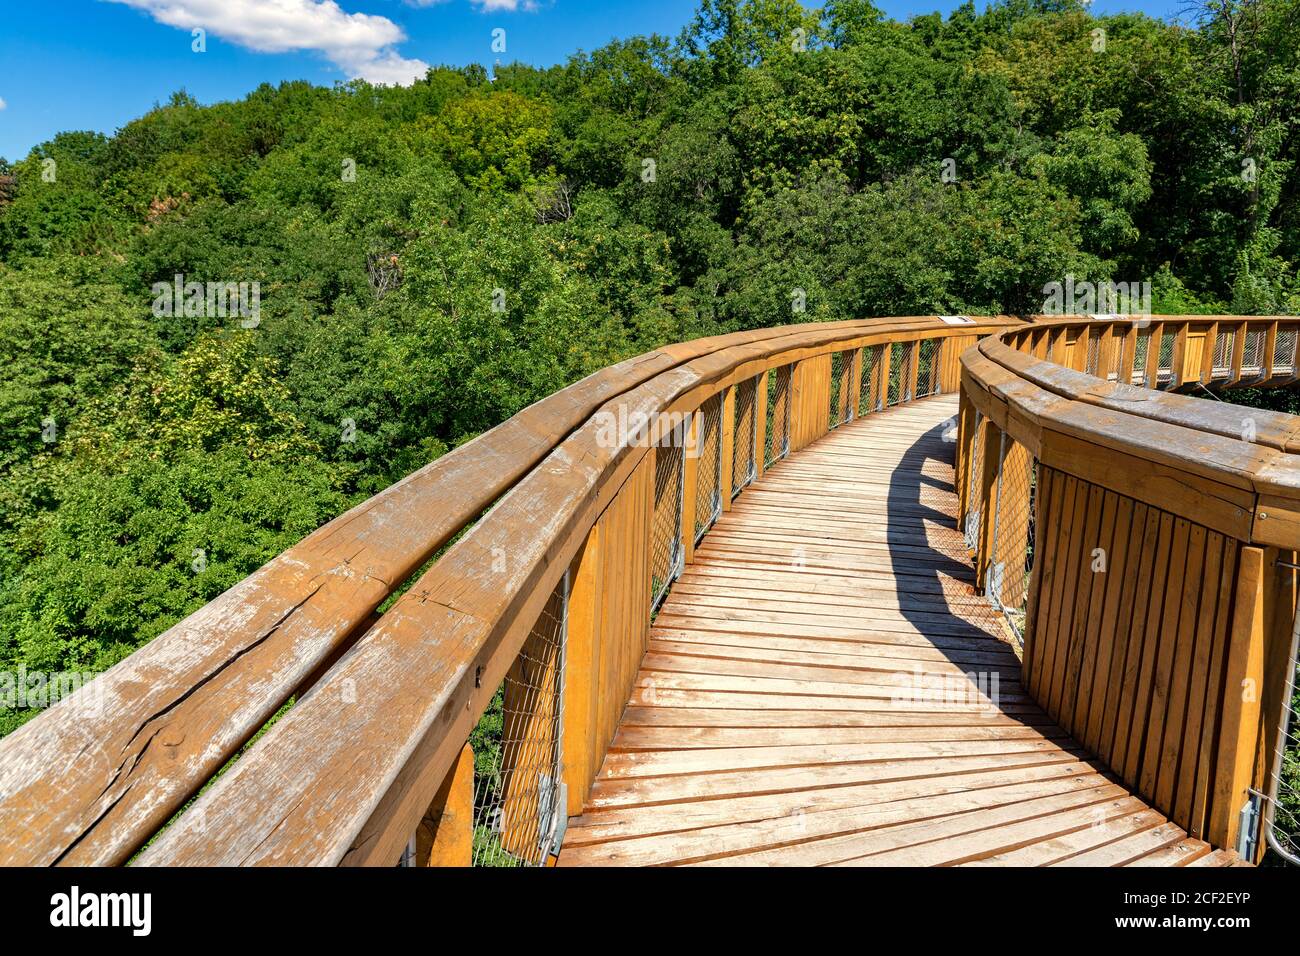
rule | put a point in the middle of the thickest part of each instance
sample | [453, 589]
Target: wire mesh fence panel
[1252, 353]
[519, 801]
[1284, 352]
[1165, 361]
[1282, 810]
[971, 530]
[869, 400]
[1284, 820]
[900, 363]
[776, 433]
[1012, 550]
[666, 521]
[1093, 363]
[927, 367]
[1223, 344]
[1140, 349]
[708, 472]
[742, 454]
[841, 399]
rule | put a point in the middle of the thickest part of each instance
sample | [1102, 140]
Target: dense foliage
[432, 259]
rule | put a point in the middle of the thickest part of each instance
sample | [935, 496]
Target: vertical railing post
[1206, 372]
[1076, 348]
[445, 835]
[1238, 353]
[1151, 374]
[1270, 349]
[760, 422]
[951, 350]
[1127, 356]
[798, 403]
[854, 383]
[913, 353]
[728, 427]
[1105, 351]
[581, 755]
[886, 359]
[1243, 688]
[1057, 339]
[1177, 360]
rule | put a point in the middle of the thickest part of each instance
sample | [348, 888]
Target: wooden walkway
[805, 699]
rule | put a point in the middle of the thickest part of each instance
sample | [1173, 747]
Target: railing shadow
[936, 581]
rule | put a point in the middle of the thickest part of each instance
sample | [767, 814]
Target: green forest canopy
[431, 259]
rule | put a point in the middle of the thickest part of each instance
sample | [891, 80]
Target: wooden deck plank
[785, 713]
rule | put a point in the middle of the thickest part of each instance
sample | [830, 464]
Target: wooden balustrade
[1169, 352]
[1156, 531]
[1162, 599]
[374, 757]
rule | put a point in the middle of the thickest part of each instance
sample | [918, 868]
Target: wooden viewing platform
[765, 726]
[923, 590]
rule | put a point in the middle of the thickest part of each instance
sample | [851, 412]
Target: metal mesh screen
[1093, 364]
[869, 398]
[841, 400]
[971, 531]
[1012, 554]
[1140, 348]
[1284, 351]
[666, 521]
[1223, 344]
[1252, 353]
[708, 472]
[1283, 813]
[742, 454]
[776, 430]
[1165, 361]
[518, 798]
[900, 361]
[927, 367]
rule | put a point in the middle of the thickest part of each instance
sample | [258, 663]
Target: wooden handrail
[1273, 429]
[298, 796]
[348, 773]
[1160, 597]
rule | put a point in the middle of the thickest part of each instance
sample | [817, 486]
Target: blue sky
[95, 64]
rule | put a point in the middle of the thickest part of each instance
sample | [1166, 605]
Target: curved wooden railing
[1143, 544]
[579, 510]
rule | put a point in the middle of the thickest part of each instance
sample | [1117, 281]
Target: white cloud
[361, 44]
[3, 104]
[490, 6]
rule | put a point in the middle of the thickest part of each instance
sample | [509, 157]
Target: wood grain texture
[90, 784]
[333, 783]
[776, 718]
